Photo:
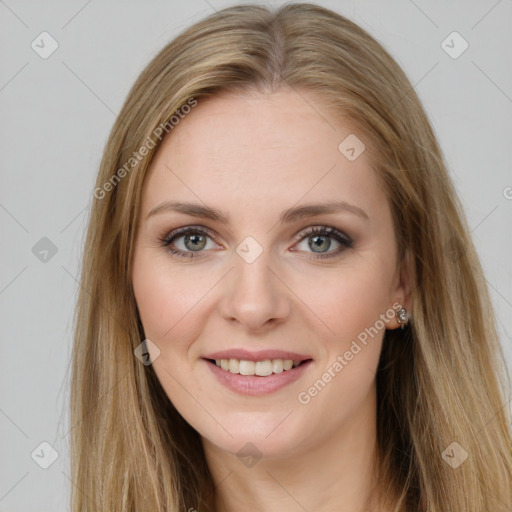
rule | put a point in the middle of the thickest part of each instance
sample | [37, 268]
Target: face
[243, 275]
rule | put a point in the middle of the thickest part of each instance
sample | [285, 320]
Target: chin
[270, 438]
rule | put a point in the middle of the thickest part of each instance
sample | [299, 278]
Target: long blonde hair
[441, 382]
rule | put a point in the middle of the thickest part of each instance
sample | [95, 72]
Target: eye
[319, 240]
[187, 242]
[190, 241]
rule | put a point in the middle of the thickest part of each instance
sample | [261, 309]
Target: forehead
[252, 150]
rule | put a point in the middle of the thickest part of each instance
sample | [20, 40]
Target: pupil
[198, 242]
[318, 241]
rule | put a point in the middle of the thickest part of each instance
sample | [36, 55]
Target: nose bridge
[254, 294]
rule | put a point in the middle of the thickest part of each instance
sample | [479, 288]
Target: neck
[337, 474]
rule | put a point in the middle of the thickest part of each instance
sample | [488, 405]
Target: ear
[402, 293]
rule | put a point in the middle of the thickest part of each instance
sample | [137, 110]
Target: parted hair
[440, 381]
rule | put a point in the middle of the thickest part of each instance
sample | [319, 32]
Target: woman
[281, 305]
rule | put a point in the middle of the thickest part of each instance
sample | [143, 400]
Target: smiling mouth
[257, 368]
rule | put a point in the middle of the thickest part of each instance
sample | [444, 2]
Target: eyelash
[340, 237]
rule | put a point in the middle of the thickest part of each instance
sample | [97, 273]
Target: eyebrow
[288, 216]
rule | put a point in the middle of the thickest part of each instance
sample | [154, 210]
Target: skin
[253, 156]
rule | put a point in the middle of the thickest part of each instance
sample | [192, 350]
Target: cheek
[169, 303]
[343, 380]
[168, 297]
[357, 301]
[352, 299]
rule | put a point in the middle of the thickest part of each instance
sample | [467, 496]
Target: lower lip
[254, 385]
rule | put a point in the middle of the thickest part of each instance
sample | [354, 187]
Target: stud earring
[402, 318]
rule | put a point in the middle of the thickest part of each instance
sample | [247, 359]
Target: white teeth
[277, 365]
[263, 368]
[246, 367]
[260, 368]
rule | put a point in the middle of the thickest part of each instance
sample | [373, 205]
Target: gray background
[55, 117]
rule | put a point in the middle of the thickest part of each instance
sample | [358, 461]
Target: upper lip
[260, 355]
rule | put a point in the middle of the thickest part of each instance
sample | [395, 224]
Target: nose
[255, 296]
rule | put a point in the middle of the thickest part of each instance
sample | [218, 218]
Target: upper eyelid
[174, 233]
[198, 227]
